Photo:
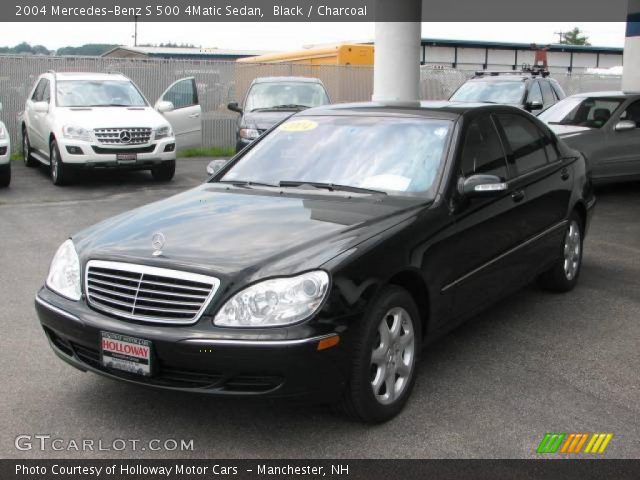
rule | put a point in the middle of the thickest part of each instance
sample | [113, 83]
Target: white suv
[102, 120]
[5, 154]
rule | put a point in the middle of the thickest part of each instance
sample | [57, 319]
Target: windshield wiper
[292, 106]
[329, 186]
[247, 183]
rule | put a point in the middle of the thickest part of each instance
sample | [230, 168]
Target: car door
[186, 115]
[34, 119]
[485, 230]
[623, 146]
[541, 185]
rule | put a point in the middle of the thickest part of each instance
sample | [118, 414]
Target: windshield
[98, 93]
[592, 112]
[285, 94]
[490, 91]
[393, 155]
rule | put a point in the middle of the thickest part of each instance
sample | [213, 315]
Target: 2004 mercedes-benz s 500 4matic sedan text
[320, 260]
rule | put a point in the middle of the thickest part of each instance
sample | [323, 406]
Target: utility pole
[560, 36]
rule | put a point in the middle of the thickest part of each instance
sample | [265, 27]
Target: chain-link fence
[222, 82]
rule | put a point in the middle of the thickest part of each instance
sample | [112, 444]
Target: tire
[60, 174]
[164, 172]
[367, 396]
[563, 276]
[5, 175]
[28, 160]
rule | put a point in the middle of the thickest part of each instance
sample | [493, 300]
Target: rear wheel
[383, 367]
[29, 161]
[60, 174]
[563, 276]
[5, 175]
[165, 171]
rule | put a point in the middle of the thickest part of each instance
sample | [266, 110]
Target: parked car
[605, 126]
[270, 100]
[532, 90]
[102, 120]
[5, 155]
[319, 260]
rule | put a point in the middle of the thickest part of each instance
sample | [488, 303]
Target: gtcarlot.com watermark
[43, 442]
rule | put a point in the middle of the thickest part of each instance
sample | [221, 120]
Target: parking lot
[535, 363]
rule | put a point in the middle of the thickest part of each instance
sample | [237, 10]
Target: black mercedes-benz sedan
[321, 259]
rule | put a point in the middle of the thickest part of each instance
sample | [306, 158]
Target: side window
[37, 93]
[527, 142]
[547, 94]
[46, 93]
[535, 95]
[557, 89]
[182, 94]
[632, 112]
[482, 150]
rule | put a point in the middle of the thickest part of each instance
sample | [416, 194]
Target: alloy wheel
[55, 164]
[392, 356]
[572, 246]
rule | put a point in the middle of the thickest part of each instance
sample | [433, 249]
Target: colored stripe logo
[574, 442]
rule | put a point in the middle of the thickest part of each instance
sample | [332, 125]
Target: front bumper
[94, 154]
[193, 358]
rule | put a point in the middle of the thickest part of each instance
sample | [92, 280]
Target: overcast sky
[287, 36]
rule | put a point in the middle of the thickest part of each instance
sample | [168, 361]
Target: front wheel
[563, 276]
[5, 175]
[60, 174]
[386, 351]
[164, 172]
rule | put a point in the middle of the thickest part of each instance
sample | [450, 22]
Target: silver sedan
[605, 126]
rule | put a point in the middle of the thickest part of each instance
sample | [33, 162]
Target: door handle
[517, 196]
[194, 115]
[564, 174]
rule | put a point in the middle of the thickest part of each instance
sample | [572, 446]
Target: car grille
[148, 294]
[123, 136]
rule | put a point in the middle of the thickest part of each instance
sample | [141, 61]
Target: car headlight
[164, 132]
[64, 273]
[275, 302]
[3, 132]
[76, 133]
[249, 133]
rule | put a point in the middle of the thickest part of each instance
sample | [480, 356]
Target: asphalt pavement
[535, 363]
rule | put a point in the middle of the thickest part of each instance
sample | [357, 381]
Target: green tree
[575, 37]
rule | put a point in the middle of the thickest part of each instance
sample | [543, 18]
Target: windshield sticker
[298, 126]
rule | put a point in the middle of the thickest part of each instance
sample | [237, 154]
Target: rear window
[592, 112]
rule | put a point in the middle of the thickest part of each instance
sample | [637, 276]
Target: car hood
[265, 120]
[110, 117]
[227, 230]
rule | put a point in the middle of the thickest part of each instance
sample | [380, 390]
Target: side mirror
[216, 165]
[163, 106]
[537, 105]
[625, 125]
[41, 107]
[481, 186]
[234, 107]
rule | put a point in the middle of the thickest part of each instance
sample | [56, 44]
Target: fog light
[3, 150]
[170, 147]
[328, 342]
[74, 150]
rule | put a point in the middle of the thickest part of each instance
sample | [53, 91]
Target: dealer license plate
[126, 157]
[126, 353]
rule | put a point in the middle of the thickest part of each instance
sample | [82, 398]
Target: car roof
[287, 79]
[433, 109]
[501, 78]
[87, 76]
